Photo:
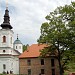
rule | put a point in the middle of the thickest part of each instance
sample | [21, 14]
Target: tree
[25, 47]
[59, 33]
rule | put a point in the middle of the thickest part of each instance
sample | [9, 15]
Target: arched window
[4, 38]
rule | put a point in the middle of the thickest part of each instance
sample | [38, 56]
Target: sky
[27, 16]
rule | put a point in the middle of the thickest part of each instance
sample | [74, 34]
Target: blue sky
[26, 16]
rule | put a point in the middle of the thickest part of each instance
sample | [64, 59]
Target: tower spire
[17, 36]
[6, 22]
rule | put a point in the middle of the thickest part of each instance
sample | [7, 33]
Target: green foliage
[59, 32]
[3, 74]
[71, 68]
[25, 47]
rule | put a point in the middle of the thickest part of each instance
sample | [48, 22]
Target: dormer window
[4, 39]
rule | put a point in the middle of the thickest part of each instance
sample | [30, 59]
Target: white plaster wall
[16, 65]
[18, 47]
[7, 62]
[8, 33]
[7, 50]
[12, 63]
[14, 53]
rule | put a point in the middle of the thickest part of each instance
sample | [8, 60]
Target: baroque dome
[17, 41]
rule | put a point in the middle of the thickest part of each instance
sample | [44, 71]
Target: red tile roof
[33, 51]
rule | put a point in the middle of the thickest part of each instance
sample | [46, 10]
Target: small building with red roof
[31, 64]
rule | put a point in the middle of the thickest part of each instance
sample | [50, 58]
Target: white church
[9, 49]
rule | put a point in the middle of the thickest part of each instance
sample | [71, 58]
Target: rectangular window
[42, 71]
[29, 71]
[42, 61]
[53, 71]
[29, 62]
[19, 47]
[16, 47]
[4, 66]
[52, 62]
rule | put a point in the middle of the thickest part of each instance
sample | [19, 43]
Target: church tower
[18, 45]
[9, 61]
[6, 35]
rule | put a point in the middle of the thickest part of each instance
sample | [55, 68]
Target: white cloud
[28, 15]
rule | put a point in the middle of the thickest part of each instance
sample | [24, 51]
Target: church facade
[9, 49]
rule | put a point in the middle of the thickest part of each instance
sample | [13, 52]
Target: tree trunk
[60, 67]
[59, 60]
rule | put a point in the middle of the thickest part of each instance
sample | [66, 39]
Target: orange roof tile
[32, 51]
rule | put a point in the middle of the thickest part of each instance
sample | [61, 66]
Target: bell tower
[6, 33]
[18, 45]
[9, 61]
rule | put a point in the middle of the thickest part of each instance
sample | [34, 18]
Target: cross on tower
[6, 4]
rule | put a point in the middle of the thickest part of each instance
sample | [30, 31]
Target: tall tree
[59, 33]
[25, 47]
